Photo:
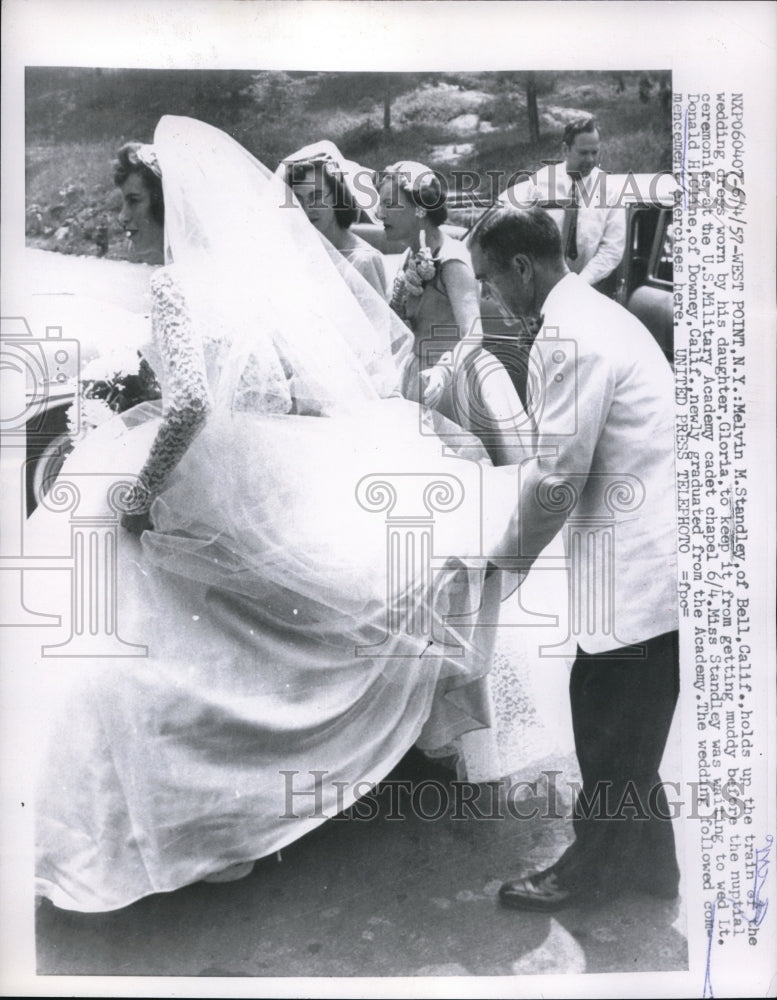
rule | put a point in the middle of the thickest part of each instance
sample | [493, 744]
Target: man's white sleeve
[571, 414]
[611, 248]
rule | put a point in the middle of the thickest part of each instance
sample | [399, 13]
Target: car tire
[48, 465]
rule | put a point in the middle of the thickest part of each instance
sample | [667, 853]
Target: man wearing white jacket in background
[593, 229]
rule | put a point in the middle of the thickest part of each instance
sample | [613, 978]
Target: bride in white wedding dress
[280, 638]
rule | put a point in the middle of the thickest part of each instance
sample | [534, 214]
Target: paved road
[378, 897]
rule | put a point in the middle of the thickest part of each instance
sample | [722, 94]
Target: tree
[512, 81]
[387, 102]
[531, 108]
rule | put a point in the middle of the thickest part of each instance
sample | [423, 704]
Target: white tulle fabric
[252, 268]
[266, 499]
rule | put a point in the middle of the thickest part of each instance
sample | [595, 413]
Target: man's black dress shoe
[540, 891]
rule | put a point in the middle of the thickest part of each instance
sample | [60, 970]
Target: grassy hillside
[77, 118]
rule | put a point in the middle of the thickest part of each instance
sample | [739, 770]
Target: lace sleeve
[186, 395]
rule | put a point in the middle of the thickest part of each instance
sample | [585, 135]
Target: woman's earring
[420, 213]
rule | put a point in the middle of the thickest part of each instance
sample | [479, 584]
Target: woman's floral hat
[146, 155]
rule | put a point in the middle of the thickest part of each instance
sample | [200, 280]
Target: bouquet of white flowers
[108, 385]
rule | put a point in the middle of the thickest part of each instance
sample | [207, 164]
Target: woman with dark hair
[288, 663]
[436, 294]
[333, 191]
[142, 216]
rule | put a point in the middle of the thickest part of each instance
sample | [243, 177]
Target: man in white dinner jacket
[593, 227]
[601, 396]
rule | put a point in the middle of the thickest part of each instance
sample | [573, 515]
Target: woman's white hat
[358, 180]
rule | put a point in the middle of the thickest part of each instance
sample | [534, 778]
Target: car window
[664, 269]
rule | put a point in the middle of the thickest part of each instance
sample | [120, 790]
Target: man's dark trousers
[622, 707]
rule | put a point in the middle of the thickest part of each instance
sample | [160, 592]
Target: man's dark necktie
[513, 351]
[571, 248]
[525, 341]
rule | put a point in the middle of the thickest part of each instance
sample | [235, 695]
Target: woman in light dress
[436, 294]
[334, 192]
